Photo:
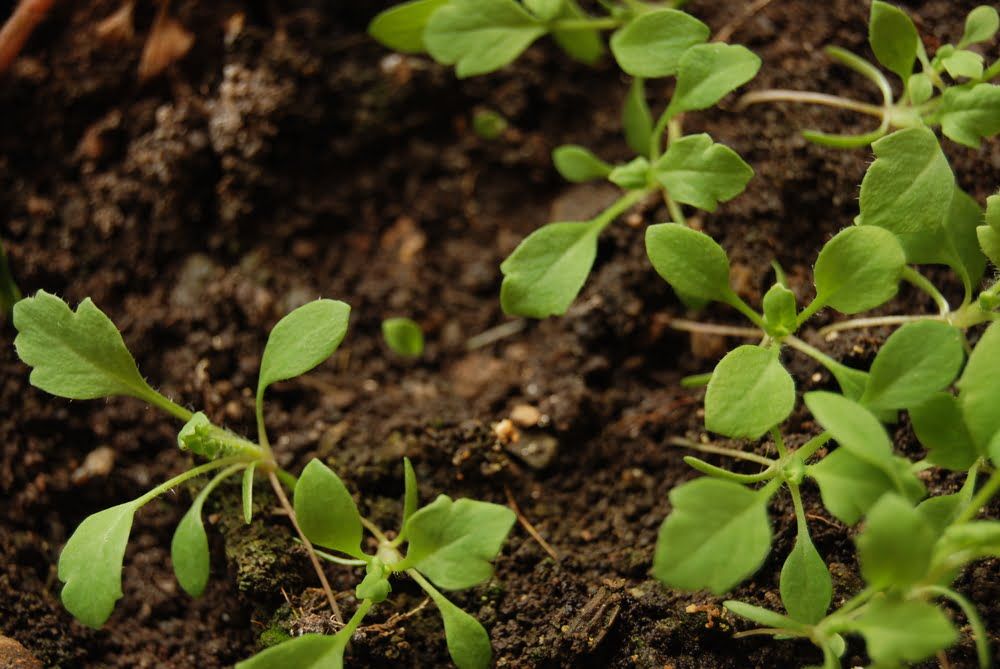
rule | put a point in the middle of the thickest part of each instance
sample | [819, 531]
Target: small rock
[525, 415]
[98, 464]
[536, 449]
[506, 432]
[15, 656]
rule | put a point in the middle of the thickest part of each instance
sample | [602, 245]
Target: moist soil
[289, 157]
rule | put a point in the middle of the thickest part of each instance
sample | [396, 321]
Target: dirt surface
[288, 157]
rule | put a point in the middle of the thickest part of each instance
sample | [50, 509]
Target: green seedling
[489, 124]
[449, 544]
[81, 355]
[952, 90]
[9, 292]
[403, 336]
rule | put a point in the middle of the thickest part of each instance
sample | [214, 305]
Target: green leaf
[401, 28]
[716, 536]
[546, 271]
[577, 164]
[247, 493]
[79, 355]
[904, 631]
[779, 311]
[806, 586]
[375, 585]
[969, 115]
[967, 542]
[920, 88]
[468, 643]
[586, 46]
[709, 72]
[940, 511]
[856, 429]
[964, 63]
[326, 511]
[480, 36]
[301, 340]
[897, 544]
[915, 362]
[651, 44]
[690, 261]
[750, 392]
[989, 234]
[940, 427]
[189, 551]
[979, 388]
[633, 175]
[858, 269]
[403, 336]
[454, 542]
[489, 124]
[91, 564]
[893, 38]
[850, 485]
[980, 25]
[763, 617]
[546, 10]
[697, 171]
[411, 493]
[637, 120]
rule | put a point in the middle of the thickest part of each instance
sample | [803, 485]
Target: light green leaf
[79, 355]
[247, 493]
[940, 427]
[301, 340]
[326, 511]
[969, 115]
[375, 585]
[980, 25]
[411, 492]
[893, 38]
[690, 261]
[897, 544]
[989, 234]
[480, 36]
[577, 164]
[763, 617]
[979, 388]
[709, 72]
[401, 28]
[489, 124]
[403, 336]
[546, 10]
[967, 542]
[468, 643]
[779, 311]
[854, 427]
[716, 536]
[189, 551]
[546, 271]
[806, 586]
[697, 171]
[859, 269]
[750, 392]
[964, 63]
[586, 46]
[915, 362]
[850, 486]
[637, 120]
[651, 44]
[939, 511]
[633, 175]
[91, 564]
[920, 88]
[904, 631]
[454, 542]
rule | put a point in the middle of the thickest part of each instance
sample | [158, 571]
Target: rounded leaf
[859, 269]
[750, 392]
[651, 44]
[403, 336]
[577, 164]
[690, 261]
[893, 38]
[980, 25]
[326, 511]
[806, 586]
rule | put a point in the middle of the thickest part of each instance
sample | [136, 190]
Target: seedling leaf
[546, 271]
[716, 536]
[468, 642]
[762, 616]
[411, 493]
[301, 340]
[401, 28]
[897, 544]
[850, 486]
[480, 36]
[980, 25]
[577, 164]
[920, 88]
[651, 44]
[247, 492]
[403, 336]
[375, 585]
[690, 261]
[697, 171]
[585, 46]
[637, 120]
[940, 426]
[855, 428]
[989, 234]
[79, 355]
[964, 63]
[969, 542]
[750, 392]
[709, 72]
[893, 37]
[858, 269]
[633, 175]
[969, 115]
[189, 551]
[904, 631]
[91, 564]
[979, 388]
[454, 542]
[806, 586]
[326, 511]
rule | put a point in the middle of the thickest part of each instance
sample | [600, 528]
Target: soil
[287, 157]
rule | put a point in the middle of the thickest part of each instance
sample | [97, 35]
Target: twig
[528, 526]
[712, 328]
[18, 28]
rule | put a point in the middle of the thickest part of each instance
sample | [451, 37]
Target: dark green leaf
[651, 44]
[697, 171]
[904, 631]
[401, 28]
[577, 164]
[779, 311]
[326, 511]
[709, 72]
[750, 392]
[858, 269]
[637, 120]
[403, 336]
[690, 261]
[897, 544]
[893, 38]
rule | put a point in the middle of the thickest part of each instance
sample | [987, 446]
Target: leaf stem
[618, 207]
[721, 450]
[736, 302]
[167, 405]
[375, 530]
[190, 474]
[878, 321]
[918, 280]
[779, 442]
[262, 440]
[806, 450]
[712, 328]
[979, 633]
[806, 97]
[980, 500]
[330, 557]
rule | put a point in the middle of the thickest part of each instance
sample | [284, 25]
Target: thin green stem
[979, 634]
[721, 450]
[800, 513]
[736, 302]
[696, 380]
[918, 280]
[190, 474]
[992, 71]
[719, 472]
[806, 97]
[262, 440]
[618, 207]
[980, 500]
[806, 450]
[779, 442]
[865, 69]
[375, 530]
[287, 478]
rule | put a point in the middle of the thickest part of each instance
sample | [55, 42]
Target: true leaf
[939, 511]
[403, 336]
[893, 38]
[708, 72]
[968, 542]
[489, 124]
[716, 536]
[375, 585]
[468, 643]
[858, 269]
[637, 120]
[546, 10]
[690, 261]
[454, 542]
[697, 171]
[979, 388]
[585, 46]
[969, 115]
[964, 63]
[189, 551]
[411, 493]
[301, 340]
[651, 44]
[915, 362]
[989, 234]
[850, 486]
[247, 493]
[326, 511]
[633, 175]
[904, 631]
[91, 564]
[546, 271]
[79, 355]
[940, 426]
[762, 616]
[980, 25]
[806, 586]
[779, 310]
[401, 28]
[479, 36]
[750, 392]
[897, 544]
[920, 88]
[855, 428]
[577, 164]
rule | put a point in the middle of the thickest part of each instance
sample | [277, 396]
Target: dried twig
[18, 28]
[528, 526]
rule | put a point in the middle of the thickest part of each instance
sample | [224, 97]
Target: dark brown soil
[287, 157]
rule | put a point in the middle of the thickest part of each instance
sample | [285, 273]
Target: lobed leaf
[858, 269]
[403, 336]
[969, 115]
[586, 46]
[301, 340]
[904, 631]
[708, 72]
[749, 393]
[401, 28]
[325, 510]
[697, 171]
[652, 43]
[893, 37]
[690, 261]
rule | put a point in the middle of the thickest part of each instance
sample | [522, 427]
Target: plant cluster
[81, 355]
